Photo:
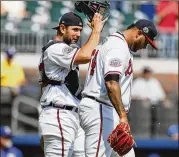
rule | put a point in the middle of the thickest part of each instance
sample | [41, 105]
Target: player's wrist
[96, 31]
[123, 119]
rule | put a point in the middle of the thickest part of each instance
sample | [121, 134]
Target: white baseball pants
[98, 121]
[62, 134]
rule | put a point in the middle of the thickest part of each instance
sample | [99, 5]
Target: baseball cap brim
[56, 27]
[151, 42]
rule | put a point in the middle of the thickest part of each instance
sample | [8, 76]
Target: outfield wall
[164, 147]
[165, 70]
[157, 65]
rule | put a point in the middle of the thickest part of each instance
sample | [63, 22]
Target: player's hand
[97, 23]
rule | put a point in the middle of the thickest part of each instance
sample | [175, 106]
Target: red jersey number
[129, 69]
[93, 62]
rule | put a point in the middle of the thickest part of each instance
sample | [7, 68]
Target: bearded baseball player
[58, 120]
[107, 92]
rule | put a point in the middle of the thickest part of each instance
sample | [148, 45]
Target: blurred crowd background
[26, 26]
[33, 22]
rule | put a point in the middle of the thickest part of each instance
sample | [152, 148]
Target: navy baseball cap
[148, 28]
[5, 131]
[10, 52]
[70, 19]
[172, 130]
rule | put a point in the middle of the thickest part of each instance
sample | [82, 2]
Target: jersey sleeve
[114, 62]
[63, 55]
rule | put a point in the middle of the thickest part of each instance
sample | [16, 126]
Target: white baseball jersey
[111, 57]
[58, 61]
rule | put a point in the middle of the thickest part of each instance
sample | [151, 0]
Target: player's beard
[137, 45]
[67, 40]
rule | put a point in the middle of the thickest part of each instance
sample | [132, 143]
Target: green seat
[31, 6]
[4, 17]
[55, 11]
[55, 14]
[129, 18]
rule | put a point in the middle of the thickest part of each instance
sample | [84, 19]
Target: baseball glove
[121, 139]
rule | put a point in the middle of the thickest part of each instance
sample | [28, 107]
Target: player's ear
[62, 28]
[139, 33]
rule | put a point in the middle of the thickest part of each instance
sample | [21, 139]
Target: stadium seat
[55, 11]
[31, 6]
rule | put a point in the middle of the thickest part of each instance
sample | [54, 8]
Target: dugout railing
[24, 115]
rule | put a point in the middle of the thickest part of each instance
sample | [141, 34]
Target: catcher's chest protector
[71, 80]
[43, 77]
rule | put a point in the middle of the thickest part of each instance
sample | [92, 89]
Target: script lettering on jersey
[129, 68]
[93, 62]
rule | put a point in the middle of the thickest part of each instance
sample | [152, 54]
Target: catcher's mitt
[121, 139]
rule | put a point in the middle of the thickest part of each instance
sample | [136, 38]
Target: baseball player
[107, 91]
[58, 120]
[7, 149]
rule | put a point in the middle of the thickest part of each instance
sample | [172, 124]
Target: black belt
[65, 107]
[51, 82]
[54, 82]
[92, 97]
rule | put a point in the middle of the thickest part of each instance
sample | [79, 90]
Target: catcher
[58, 120]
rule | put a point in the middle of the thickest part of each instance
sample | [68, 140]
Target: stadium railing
[31, 42]
[24, 110]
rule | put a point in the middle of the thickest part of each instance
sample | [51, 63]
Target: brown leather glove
[121, 139]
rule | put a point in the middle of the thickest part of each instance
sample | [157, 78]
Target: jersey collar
[121, 34]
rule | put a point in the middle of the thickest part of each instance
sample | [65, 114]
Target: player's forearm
[92, 42]
[84, 54]
[114, 93]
